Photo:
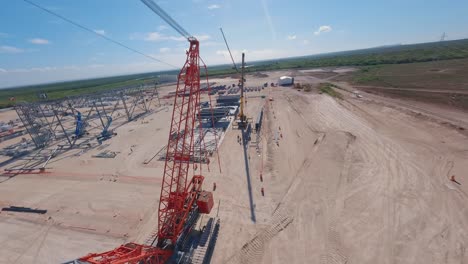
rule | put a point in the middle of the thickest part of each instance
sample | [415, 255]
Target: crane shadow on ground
[247, 173]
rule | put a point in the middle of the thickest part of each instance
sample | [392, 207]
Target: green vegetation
[436, 82]
[328, 88]
[64, 89]
[446, 74]
[374, 62]
[400, 54]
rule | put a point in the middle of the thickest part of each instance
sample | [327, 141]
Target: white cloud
[94, 66]
[177, 56]
[211, 43]
[162, 27]
[39, 41]
[10, 49]
[71, 67]
[100, 31]
[156, 36]
[42, 69]
[203, 37]
[305, 42]
[323, 29]
[292, 37]
[176, 38]
[211, 7]
[164, 50]
[251, 55]
[34, 69]
[153, 36]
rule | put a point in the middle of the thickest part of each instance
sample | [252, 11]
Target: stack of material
[106, 154]
[228, 100]
[216, 113]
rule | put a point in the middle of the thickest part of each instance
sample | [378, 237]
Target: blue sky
[36, 47]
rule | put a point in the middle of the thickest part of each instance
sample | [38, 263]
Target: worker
[261, 177]
[263, 192]
[452, 178]
[214, 186]
[281, 135]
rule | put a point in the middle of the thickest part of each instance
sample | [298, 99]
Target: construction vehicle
[106, 133]
[80, 126]
[182, 198]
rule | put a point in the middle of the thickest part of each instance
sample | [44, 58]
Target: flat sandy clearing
[359, 180]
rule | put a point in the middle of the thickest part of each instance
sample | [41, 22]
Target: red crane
[181, 197]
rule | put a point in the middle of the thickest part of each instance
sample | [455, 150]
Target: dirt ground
[359, 180]
[353, 181]
[435, 82]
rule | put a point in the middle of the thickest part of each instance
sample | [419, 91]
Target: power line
[100, 35]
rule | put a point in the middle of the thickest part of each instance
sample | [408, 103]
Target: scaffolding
[56, 120]
[77, 122]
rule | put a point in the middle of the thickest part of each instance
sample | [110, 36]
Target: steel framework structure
[54, 120]
[181, 199]
[179, 204]
[176, 200]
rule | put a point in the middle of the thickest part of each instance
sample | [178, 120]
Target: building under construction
[84, 121]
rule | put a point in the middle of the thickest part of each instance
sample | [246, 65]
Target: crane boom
[161, 13]
[179, 198]
[225, 41]
[176, 196]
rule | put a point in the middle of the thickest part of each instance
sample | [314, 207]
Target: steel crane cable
[160, 12]
[233, 62]
[100, 35]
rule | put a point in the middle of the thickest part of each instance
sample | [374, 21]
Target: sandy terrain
[352, 181]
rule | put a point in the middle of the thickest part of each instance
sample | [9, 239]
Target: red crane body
[179, 194]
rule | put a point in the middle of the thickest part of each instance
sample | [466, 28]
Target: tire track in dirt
[402, 184]
[335, 252]
[253, 251]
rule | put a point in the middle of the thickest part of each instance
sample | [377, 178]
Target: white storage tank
[286, 80]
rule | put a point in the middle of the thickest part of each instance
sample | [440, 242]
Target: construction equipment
[181, 198]
[80, 126]
[106, 133]
[242, 121]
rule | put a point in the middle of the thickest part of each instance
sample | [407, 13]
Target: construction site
[246, 168]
